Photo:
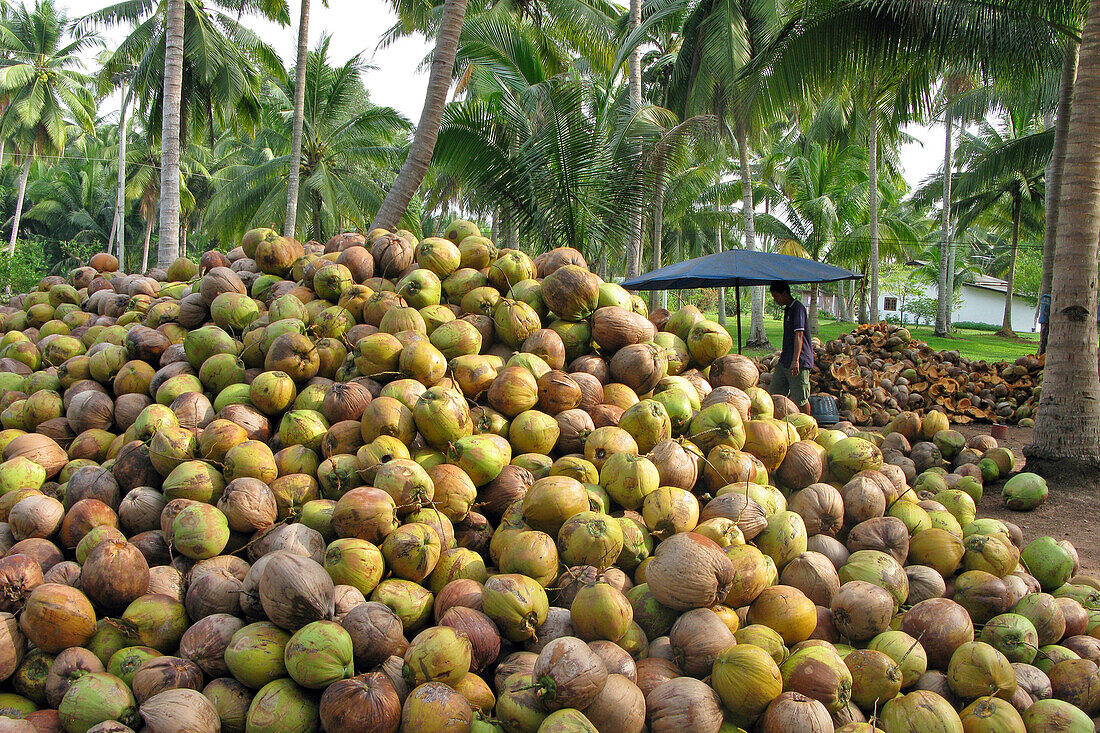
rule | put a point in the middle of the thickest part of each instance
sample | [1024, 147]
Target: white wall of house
[979, 305]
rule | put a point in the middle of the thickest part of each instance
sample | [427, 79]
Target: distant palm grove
[641, 135]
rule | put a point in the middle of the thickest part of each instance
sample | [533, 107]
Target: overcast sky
[355, 27]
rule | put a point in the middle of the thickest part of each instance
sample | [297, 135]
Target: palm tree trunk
[145, 248]
[1067, 426]
[634, 244]
[119, 225]
[863, 299]
[3, 144]
[758, 336]
[19, 208]
[943, 301]
[295, 174]
[721, 291]
[1054, 176]
[872, 205]
[168, 243]
[657, 297]
[812, 315]
[1006, 324]
[427, 130]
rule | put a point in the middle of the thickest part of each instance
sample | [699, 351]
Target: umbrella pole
[737, 307]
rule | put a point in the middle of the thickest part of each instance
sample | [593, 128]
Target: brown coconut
[689, 571]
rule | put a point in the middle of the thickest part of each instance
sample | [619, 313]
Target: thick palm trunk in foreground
[295, 175]
[1068, 422]
[427, 130]
[1054, 174]
[169, 242]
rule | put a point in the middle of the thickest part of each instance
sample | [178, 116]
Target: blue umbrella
[737, 267]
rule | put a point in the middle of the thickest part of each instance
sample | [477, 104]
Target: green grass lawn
[971, 344]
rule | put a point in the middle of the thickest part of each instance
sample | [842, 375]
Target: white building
[980, 301]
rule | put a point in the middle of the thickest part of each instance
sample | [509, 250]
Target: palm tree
[143, 181]
[412, 172]
[168, 246]
[1054, 175]
[348, 144]
[820, 190]
[560, 155]
[1067, 423]
[716, 72]
[72, 196]
[39, 87]
[295, 174]
[1004, 165]
[1012, 41]
[669, 157]
[194, 66]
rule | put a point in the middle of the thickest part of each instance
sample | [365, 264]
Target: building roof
[995, 284]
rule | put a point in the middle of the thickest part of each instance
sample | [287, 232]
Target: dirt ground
[1071, 512]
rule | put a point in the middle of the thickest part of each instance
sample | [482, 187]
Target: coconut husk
[882, 371]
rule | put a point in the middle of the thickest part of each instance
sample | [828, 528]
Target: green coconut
[876, 677]
[16, 707]
[1049, 562]
[200, 531]
[590, 538]
[1045, 615]
[1056, 715]
[747, 679]
[977, 669]
[992, 714]
[160, 621]
[255, 654]
[1024, 492]
[907, 653]
[818, 672]
[281, 706]
[95, 698]
[1052, 654]
[849, 456]
[319, 654]
[411, 601]
[437, 654]
[567, 720]
[783, 539]
[354, 562]
[1012, 635]
[628, 478]
[920, 710]
[125, 662]
[516, 603]
[30, 679]
[20, 473]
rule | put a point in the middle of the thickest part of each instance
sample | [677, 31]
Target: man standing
[791, 376]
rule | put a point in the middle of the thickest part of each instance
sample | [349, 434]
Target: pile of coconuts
[880, 369]
[386, 485]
